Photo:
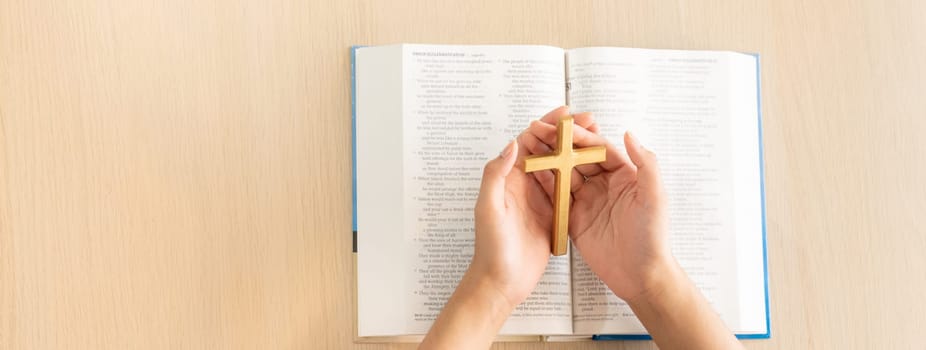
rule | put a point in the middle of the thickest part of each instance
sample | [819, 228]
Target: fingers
[533, 145]
[586, 121]
[556, 114]
[648, 178]
[582, 137]
[583, 119]
[492, 190]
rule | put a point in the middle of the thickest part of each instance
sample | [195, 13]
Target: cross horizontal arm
[588, 155]
[542, 162]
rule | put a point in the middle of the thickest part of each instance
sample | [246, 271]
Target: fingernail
[507, 151]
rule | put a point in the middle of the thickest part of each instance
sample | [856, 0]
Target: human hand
[513, 222]
[618, 211]
[618, 223]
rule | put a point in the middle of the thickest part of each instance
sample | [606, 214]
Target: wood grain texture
[175, 174]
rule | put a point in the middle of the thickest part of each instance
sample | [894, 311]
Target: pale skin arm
[618, 222]
[497, 279]
[513, 223]
[677, 316]
[472, 317]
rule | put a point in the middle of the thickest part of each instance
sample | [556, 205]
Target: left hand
[513, 222]
[514, 218]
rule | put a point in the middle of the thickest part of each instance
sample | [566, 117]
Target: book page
[678, 103]
[460, 106]
[378, 147]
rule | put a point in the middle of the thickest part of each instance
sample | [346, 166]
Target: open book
[428, 117]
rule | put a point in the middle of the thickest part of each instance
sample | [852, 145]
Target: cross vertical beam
[561, 161]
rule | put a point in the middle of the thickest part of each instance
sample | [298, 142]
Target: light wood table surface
[176, 174]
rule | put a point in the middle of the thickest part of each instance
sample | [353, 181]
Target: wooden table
[176, 174]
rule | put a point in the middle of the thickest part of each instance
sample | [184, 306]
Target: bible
[426, 119]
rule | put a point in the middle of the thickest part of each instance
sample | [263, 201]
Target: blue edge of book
[768, 326]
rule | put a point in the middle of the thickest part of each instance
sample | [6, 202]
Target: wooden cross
[561, 161]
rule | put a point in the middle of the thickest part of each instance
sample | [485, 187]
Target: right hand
[618, 212]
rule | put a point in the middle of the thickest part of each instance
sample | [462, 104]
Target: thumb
[492, 191]
[647, 167]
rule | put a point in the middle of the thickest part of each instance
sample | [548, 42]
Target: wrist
[665, 285]
[471, 318]
[676, 315]
[495, 282]
[483, 293]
